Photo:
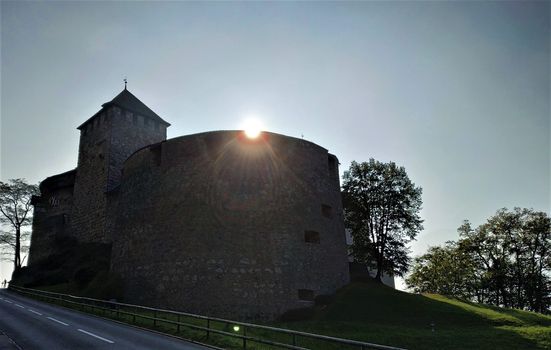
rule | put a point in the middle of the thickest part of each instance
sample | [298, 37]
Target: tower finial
[125, 82]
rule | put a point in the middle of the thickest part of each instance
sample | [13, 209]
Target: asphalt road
[34, 325]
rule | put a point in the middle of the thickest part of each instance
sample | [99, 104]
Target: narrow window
[54, 202]
[331, 163]
[306, 294]
[157, 153]
[311, 236]
[327, 211]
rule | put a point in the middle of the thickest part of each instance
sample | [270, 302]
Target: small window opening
[54, 201]
[327, 211]
[157, 153]
[331, 163]
[306, 294]
[311, 236]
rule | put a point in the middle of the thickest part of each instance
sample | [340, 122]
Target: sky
[456, 92]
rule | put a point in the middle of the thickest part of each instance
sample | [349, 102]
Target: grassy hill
[375, 313]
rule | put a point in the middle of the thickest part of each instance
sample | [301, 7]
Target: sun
[252, 128]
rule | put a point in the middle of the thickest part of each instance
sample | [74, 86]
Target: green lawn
[375, 313]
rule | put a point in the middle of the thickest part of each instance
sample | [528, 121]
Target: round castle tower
[223, 225]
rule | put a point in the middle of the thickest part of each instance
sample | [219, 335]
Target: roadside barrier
[249, 335]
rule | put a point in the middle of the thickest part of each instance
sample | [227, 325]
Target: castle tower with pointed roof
[121, 127]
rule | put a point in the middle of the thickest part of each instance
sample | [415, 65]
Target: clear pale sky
[458, 93]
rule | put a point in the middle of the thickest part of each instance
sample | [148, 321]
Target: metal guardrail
[120, 309]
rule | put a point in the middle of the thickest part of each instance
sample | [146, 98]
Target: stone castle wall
[52, 215]
[218, 224]
[106, 142]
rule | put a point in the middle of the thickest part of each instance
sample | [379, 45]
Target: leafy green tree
[381, 209]
[505, 262]
[447, 270]
[15, 214]
[513, 249]
[534, 261]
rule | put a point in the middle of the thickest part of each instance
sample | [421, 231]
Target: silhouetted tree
[381, 209]
[15, 214]
[506, 260]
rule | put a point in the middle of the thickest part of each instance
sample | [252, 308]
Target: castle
[215, 223]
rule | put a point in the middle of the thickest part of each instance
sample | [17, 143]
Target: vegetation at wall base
[371, 312]
[77, 268]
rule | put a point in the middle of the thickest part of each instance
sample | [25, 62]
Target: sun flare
[252, 128]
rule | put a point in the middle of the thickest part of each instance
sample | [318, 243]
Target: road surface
[36, 325]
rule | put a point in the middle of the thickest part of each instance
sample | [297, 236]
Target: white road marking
[58, 321]
[96, 336]
[21, 306]
[35, 312]
[7, 301]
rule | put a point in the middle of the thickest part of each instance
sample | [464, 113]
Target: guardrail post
[178, 323]
[295, 339]
[154, 318]
[208, 328]
[118, 308]
[244, 337]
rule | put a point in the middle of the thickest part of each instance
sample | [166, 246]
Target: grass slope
[374, 313]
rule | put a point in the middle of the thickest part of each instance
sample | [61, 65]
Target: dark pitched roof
[126, 100]
[66, 179]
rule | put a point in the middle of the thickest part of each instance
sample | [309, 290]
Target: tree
[504, 262]
[381, 210]
[447, 270]
[15, 210]
[536, 242]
